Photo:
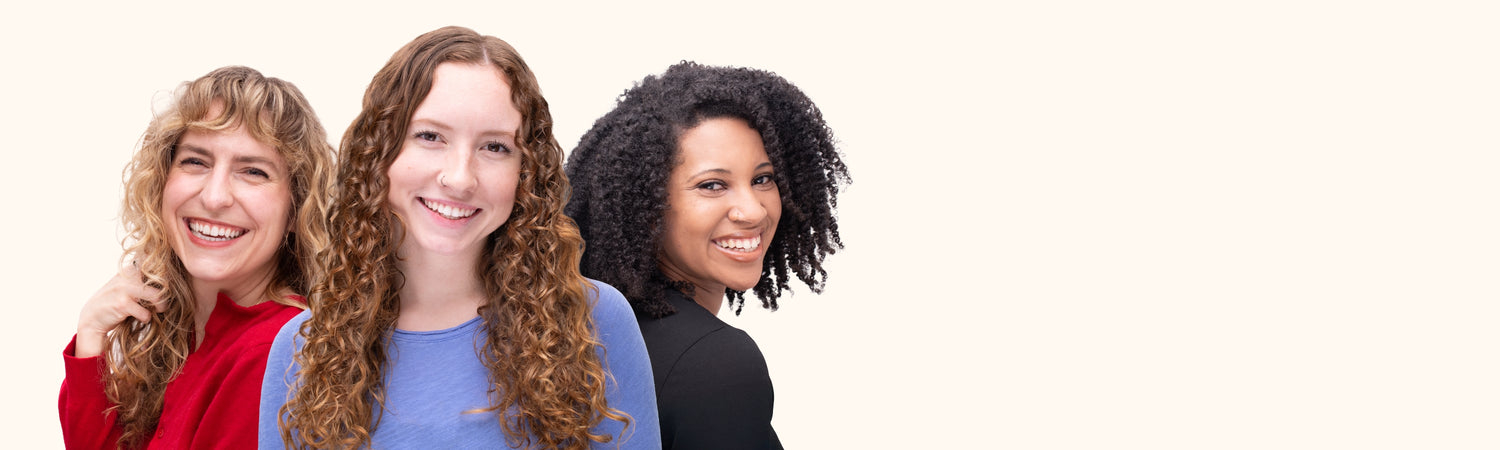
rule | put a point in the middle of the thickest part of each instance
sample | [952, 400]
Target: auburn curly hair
[620, 169]
[146, 356]
[540, 339]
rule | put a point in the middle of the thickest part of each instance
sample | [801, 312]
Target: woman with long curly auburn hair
[452, 313]
[224, 210]
[703, 183]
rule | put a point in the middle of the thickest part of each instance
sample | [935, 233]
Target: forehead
[721, 143]
[469, 94]
[215, 109]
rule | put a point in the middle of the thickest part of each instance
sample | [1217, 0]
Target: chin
[743, 286]
[205, 272]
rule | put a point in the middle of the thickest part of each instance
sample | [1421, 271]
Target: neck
[441, 290]
[246, 292]
[709, 297]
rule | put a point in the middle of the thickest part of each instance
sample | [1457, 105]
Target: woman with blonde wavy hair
[452, 313]
[224, 208]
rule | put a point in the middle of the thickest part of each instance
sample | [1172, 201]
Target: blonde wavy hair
[146, 356]
[540, 344]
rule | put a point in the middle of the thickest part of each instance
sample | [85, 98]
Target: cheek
[510, 182]
[675, 247]
[271, 208]
[287, 212]
[772, 202]
[677, 231]
[398, 184]
[686, 215]
[395, 178]
[699, 224]
[403, 171]
[174, 193]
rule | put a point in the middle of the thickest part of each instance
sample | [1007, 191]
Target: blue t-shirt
[433, 377]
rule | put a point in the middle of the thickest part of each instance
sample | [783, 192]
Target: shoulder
[724, 362]
[726, 353]
[717, 394]
[286, 339]
[673, 334]
[283, 350]
[615, 323]
[609, 306]
[269, 323]
[694, 346]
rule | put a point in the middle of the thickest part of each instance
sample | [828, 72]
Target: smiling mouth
[214, 233]
[739, 245]
[447, 211]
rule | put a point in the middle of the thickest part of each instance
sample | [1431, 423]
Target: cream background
[1073, 224]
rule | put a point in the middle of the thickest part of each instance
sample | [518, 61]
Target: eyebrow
[238, 159]
[726, 171]
[431, 123]
[445, 128]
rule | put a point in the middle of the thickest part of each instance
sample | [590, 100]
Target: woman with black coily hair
[704, 183]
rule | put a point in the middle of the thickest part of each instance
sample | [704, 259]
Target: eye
[495, 147]
[712, 185]
[192, 161]
[426, 136]
[763, 179]
[257, 172]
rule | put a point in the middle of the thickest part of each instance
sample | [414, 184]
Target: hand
[124, 295]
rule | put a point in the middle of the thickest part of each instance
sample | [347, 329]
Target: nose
[218, 193]
[458, 172]
[746, 207]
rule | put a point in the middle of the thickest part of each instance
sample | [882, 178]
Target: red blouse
[214, 402]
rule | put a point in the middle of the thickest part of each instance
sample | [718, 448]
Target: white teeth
[214, 233]
[448, 212]
[743, 245]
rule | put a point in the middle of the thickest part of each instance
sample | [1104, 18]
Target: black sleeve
[718, 395]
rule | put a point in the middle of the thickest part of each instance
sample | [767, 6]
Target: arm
[82, 405]
[718, 395]
[629, 387]
[280, 371]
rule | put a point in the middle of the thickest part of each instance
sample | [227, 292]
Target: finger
[151, 296]
[131, 271]
[139, 312]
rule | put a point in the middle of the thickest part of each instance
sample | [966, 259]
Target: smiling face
[226, 205]
[454, 181]
[722, 208]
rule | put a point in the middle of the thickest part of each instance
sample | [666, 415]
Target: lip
[444, 220]
[753, 256]
[205, 243]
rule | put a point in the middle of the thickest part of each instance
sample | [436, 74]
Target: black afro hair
[620, 168]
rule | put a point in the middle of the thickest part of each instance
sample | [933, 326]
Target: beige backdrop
[1073, 225]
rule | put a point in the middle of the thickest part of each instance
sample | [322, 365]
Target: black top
[712, 387]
